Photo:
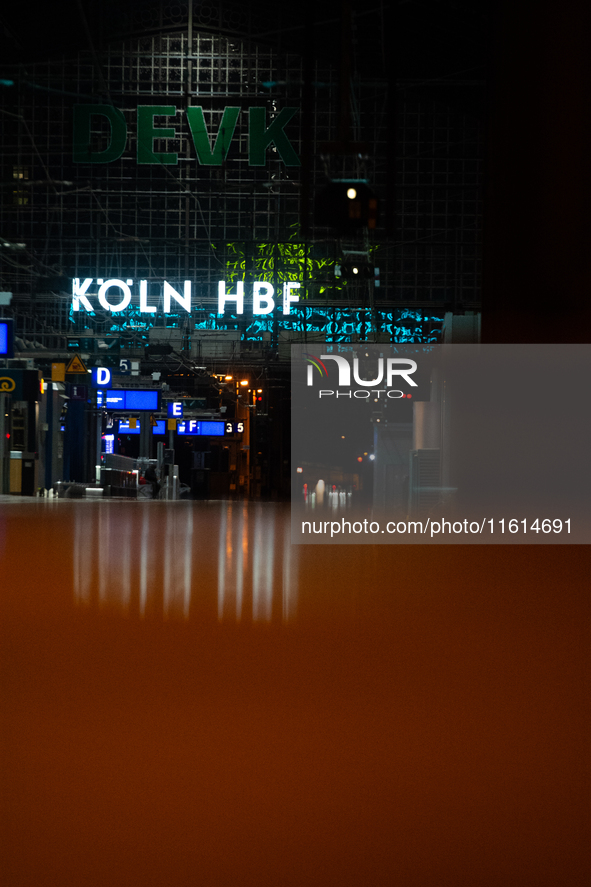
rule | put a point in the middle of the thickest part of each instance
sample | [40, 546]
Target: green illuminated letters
[260, 136]
[147, 132]
[82, 150]
[201, 140]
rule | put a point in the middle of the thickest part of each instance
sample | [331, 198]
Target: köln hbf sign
[116, 295]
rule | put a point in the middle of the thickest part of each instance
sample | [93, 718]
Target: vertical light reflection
[222, 561]
[104, 552]
[177, 577]
[241, 560]
[188, 561]
[121, 556]
[167, 561]
[262, 569]
[144, 549]
[123, 543]
[269, 561]
[290, 553]
[76, 566]
[177, 561]
[256, 566]
[84, 549]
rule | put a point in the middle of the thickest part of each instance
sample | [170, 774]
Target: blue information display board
[158, 428]
[129, 399]
[125, 429]
[202, 428]
[189, 427]
[142, 400]
[6, 338]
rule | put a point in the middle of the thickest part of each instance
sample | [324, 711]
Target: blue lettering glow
[337, 325]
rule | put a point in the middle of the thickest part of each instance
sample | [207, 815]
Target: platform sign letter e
[175, 410]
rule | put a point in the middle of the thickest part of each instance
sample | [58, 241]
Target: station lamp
[357, 269]
[346, 205]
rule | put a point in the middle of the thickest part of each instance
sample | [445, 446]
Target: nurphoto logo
[387, 370]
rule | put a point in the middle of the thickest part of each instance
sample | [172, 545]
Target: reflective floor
[187, 699]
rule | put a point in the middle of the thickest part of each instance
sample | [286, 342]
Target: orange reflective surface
[187, 699]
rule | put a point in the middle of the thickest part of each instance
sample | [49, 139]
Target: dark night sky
[420, 38]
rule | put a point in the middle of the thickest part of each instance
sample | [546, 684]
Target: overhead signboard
[132, 399]
[142, 400]
[101, 377]
[6, 338]
[175, 410]
[125, 427]
[201, 428]
[157, 428]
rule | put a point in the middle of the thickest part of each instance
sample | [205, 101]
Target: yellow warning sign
[153, 421]
[76, 365]
[58, 372]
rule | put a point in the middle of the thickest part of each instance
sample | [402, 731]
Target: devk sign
[211, 148]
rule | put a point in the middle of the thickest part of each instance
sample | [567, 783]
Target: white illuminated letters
[266, 296]
[224, 297]
[263, 293]
[184, 300]
[144, 307]
[102, 294]
[287, 297]
[78, 294]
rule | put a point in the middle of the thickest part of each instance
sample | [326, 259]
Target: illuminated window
[20, 174]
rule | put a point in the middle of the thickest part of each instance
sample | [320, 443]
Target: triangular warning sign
[76, 365]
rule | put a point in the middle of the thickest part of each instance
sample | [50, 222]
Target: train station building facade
[189, 195]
